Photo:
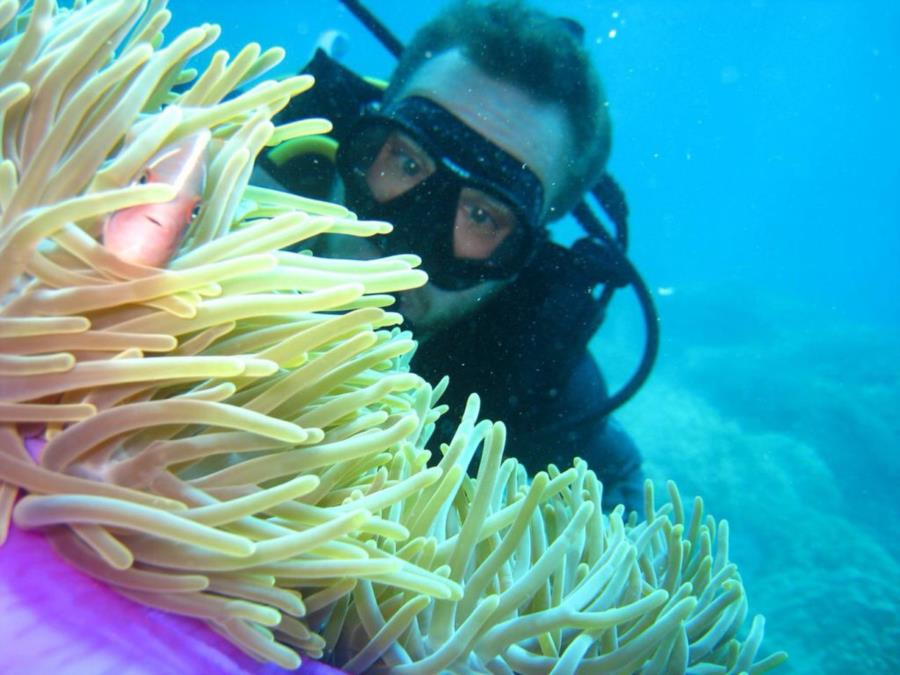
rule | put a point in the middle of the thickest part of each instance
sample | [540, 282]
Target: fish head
[149, 234]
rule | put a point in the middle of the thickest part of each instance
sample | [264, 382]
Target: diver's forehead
[532, 131]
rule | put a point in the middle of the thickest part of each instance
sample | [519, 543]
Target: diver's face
[531, 131]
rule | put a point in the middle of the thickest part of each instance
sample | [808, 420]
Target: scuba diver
[493, 125]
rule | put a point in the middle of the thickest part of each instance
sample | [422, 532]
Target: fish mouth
[154, 221]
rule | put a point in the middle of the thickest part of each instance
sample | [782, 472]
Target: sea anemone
[238, 438]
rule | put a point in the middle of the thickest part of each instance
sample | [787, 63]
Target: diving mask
[470, 210]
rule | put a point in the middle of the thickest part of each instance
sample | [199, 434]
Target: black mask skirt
[461, 162]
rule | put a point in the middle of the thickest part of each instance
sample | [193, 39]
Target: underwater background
[759, 147]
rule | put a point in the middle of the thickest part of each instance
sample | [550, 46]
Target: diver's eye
[409, 166]
[482, 217]
[195, 212]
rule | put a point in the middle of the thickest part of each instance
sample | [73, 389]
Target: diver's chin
[430, 310]
[413, 306]
[348, 247]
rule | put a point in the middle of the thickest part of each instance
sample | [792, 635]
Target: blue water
[759, 146]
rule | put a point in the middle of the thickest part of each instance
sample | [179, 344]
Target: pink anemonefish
[149, 234]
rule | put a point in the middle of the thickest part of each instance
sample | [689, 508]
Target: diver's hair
[537, 52]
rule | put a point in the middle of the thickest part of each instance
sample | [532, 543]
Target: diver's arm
[566, 429]
[603, 442]
[616, 460]
[609, 452]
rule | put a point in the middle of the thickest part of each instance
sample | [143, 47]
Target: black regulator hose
[378, 29]
[622, 273]
[651, 343]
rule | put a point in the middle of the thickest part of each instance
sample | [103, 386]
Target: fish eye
[143, 178]
[195, 211]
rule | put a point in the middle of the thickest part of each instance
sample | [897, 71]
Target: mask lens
[445, 203]
[399, 166]
[482, 224]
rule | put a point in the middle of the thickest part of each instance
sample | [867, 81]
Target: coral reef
[816, 446]
[238, 438]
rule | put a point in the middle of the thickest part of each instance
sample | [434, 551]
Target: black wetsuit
[525, 352]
